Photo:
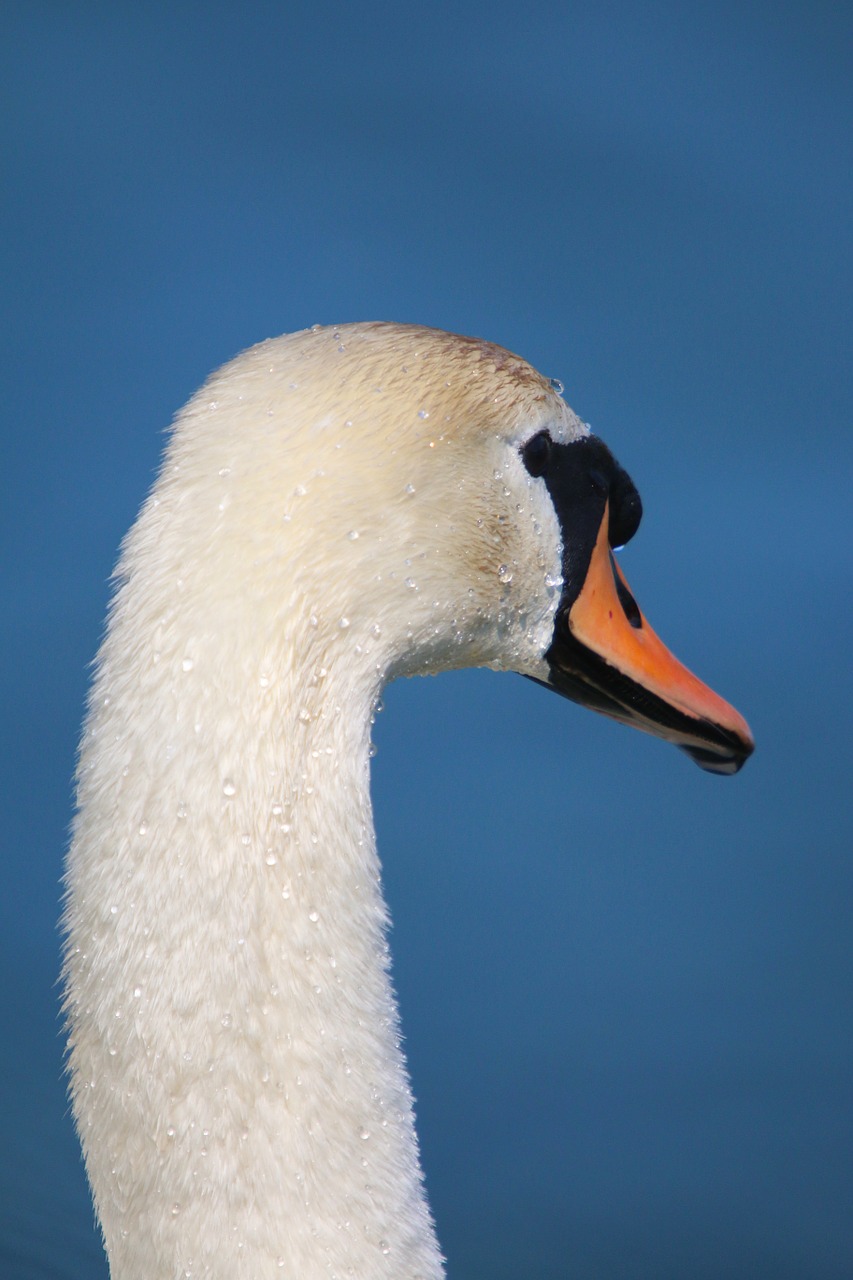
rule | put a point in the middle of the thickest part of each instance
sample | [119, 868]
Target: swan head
[335, 508]
[396, 500]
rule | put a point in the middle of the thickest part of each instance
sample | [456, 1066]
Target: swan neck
[237, 1077]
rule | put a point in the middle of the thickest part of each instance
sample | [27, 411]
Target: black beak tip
[723, 760]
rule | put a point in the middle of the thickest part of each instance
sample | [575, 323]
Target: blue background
[626, 985]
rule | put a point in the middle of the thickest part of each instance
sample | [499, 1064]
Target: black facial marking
[626, 508]
[581, 478]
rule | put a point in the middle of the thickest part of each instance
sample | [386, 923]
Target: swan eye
[536, 454]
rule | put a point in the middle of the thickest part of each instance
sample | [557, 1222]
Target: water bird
[335, 508]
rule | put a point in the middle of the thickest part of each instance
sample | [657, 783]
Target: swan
[335, 508]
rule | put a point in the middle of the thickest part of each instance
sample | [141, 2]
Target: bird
[336, 508]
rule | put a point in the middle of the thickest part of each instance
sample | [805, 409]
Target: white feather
[335, 508]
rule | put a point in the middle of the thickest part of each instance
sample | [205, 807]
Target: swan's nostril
[627, 601]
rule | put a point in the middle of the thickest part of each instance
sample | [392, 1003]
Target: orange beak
[607, 656]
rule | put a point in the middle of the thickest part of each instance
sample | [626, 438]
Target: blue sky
[625, 985]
